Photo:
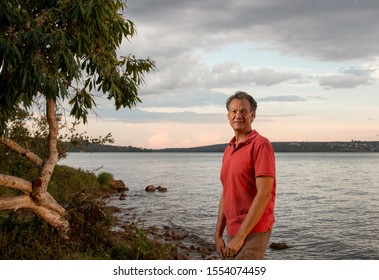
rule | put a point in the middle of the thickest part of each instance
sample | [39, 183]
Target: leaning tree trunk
[35, 197]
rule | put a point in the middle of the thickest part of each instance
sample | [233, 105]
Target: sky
[312, 66]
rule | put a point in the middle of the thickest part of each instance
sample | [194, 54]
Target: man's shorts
[254, 247]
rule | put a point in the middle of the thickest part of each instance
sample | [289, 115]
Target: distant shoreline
[288, 147]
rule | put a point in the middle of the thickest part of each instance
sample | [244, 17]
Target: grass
[23, 236]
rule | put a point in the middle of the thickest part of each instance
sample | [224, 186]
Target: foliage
[23, 236]
[66, 51]
[67, 185]
[105, 178]
[145, 249]
[58, 53]
[31, 130]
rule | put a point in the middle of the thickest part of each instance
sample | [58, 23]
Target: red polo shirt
[252, 158]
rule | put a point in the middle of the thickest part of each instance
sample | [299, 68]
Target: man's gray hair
[241, 95]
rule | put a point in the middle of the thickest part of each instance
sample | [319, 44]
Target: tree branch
[50, 203]
[16, 183]
[48, 167]
[25, 202]
[15, 147]
[16, 202]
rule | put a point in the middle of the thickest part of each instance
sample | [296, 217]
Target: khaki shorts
[254, 247]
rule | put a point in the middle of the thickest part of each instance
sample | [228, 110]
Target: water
[327, 204]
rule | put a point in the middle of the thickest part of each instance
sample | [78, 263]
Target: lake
[327, 204]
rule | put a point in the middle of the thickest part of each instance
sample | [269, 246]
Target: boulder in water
[279, 246]
[161, 189]
[150, 188]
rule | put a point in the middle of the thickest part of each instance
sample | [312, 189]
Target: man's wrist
[217, 236]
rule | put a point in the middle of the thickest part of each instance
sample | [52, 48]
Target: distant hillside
[296, 147]
[97, 148]
[207, 149]
[282, 147]
[353, 146]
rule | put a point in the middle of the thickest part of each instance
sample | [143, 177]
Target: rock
[179, 236]
[161, 189]
[122, 196]
[279, 246]
[118, 185]
[153, 229]
[114, 209]
[168, 233]
[203, 250]
[150, 188]
[181, 257]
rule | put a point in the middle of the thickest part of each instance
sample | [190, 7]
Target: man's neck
[241, 136]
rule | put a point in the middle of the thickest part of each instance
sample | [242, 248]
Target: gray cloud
[138, 116]
[171, 31]
[343, 81]
[187, 74]
[357, 71]
[284, 98]
[327, 30]
[350, 77]
[229, 74]
[317, 97]
[194, 97]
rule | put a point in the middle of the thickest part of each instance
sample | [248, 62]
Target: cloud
[284, 98]
[317, 98]
[373, 68]
[326, 30]
[159, 139]
[231, 74]
[164, 115]
[172, 33]
[350, 77]
[361, 72]
[187, 73]
[193, 109]
[343, 81]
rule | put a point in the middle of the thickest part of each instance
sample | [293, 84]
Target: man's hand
[220, 247]
[234, 246]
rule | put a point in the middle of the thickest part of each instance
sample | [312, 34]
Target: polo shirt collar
[246, 141]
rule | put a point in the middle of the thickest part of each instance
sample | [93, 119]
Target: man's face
[240, 115]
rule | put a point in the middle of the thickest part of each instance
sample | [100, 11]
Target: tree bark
[36, 160]
[35, 197]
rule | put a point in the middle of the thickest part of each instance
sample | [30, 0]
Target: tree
[60, 52]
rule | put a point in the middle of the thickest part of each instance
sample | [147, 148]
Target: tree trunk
[35, 197]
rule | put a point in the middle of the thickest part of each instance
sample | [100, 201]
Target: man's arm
[256, 210]
[220, 227]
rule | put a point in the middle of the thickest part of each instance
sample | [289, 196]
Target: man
[246, 206]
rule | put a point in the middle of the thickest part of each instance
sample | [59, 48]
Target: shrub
[105, 178]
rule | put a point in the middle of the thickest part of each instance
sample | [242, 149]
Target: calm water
[327, 204]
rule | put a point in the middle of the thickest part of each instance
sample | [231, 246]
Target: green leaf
[53, 47]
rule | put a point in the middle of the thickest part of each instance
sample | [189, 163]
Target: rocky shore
[185, 245]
